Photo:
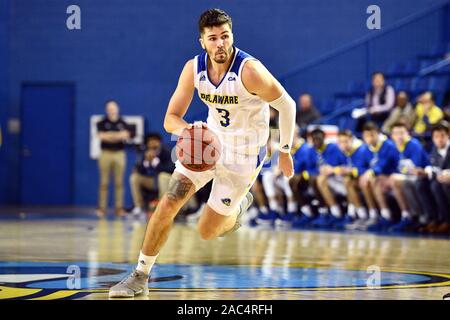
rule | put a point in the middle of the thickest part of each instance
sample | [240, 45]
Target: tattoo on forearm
[179, 186]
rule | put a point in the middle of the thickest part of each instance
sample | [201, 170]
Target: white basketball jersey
[239, 118]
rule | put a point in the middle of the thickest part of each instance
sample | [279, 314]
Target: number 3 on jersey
[225, 122]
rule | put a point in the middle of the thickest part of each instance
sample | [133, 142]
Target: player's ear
[202, 43]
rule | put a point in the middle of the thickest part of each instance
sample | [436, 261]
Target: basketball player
[380, 160]
[342, 179]
[237, 89]
[411, 173]
[328, 156]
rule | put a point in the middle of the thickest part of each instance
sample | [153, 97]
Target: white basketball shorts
[233, 176]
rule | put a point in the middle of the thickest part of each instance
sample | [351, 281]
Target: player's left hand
[198, 125]
[286, 164]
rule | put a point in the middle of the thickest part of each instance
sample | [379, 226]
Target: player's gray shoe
[358, 224]
[246, 203]
[367, 224]
[136, 283]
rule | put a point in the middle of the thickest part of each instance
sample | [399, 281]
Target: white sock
[306, 210]
[373, 213]
[351, 210]
[362, 213]
[145, 263]
[336, 211]
[264, 209]
[292, 206]
[251, 213]
[323, 210]
[423, 219]
[273, 205]
[406, 214]
[386, 213]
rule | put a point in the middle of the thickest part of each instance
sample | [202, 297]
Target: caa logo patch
[231, 79]
[226, 201]
[202, 78]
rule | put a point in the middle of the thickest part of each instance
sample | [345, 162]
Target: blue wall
[446, 23]
[403, 43]
[134, 53]
[4, 95]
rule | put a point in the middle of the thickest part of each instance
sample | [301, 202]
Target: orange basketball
[198, 149]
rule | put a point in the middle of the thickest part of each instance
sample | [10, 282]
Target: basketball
[198, 149]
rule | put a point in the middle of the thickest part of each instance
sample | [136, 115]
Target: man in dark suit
[439, 175]
[113, 133]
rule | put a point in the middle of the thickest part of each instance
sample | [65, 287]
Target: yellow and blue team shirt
[303, 156]
[328, 154]
[305, 159]
[382, 159]
[412, 154]
[354, 159]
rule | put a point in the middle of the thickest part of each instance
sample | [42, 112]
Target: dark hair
[399, 124]
[377, 73]
[110, 101]
[345, 132]
[152, 135]
[441, 126]
[317, 131]
[303, 133]
[403, 92]
[370, 126]
[213, 18]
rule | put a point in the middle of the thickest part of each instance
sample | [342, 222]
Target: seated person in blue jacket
[328, 155]
[342, 178]
[439, 174]
[305, 171]
[152, 171]
[413, 160]
[379, 162]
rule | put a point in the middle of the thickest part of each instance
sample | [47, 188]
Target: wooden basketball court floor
[76, 256]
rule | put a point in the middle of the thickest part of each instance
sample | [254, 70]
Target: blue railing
[435, 67]
[346, 110]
